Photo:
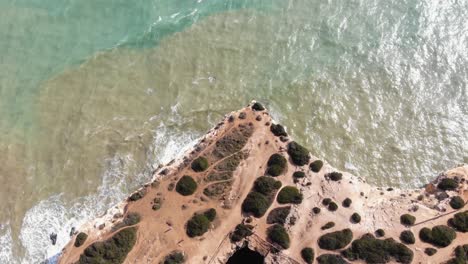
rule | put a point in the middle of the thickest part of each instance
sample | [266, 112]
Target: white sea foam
[6, 244]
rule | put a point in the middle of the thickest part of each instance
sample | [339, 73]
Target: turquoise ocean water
[95, 94]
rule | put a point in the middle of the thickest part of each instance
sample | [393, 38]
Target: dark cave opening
[246, 255]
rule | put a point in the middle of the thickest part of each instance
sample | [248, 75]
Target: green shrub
[347, 202]
[242, 231]
[111, 251]
[407, 237]
[316, 210]
[289, 194]
[407, 219]
[335, 240]
[210, 214]
[457, 202]
[278, 130]
[80, 239]
[380, 232]
[256, 204]
[278, 215]
[277, 234]
[258, 107]
[137, 195]
[328, 225]
[176, 257]
[266, 185]
[186, 186]
[308, 255]
[372, 250]
[130, 219]
[326, 201]
[334, 176]
[316, 165]
[331, 259]
[440, 236]
[332, 206]
[299, 155]
[447, 184]
[460, 221]
[276, 164]
[197, 225]
[461, 255]
[356, 218]
[298, 174]
[200, 164]
[430, 251]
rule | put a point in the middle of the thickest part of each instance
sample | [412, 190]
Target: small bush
[256, 204]
[278, 215]
[380, 232]
[80, 239]
[461, 255]
[307, 255]
[176, 257]
[130, 219]
[276, 164]
[430, 251]
[440, 236]
[278, 130]
[335, 240]
[186, 186]
[457, 202]
[242, 231]
[332, 207]
[447, 184]
[356, 218]
[112, 250]
[460, 221]
[299, 155]
[210, 214]
[266, 185]
[316, 210]
[334, 176]
[328, 226]
[137, 195]
[277, 234]
[289, 194]
[407, 219]
[407, 237]
[316, 166]
[326, 201]
[200, 164]
[331, 259]
[197, 225]
[298, 174]
[347, 202]
[258, 107]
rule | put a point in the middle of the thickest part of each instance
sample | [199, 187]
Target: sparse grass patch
[299, 154]
[186, 185]
[277, 234]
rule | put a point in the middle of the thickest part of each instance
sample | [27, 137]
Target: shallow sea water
[95, 94]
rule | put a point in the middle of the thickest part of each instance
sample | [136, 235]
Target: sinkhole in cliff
[246, 255]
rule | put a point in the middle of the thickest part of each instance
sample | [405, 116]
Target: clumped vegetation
[130, 219]
[217, 189]
[346, 202]
[316, 210]
[328, 225]
[242, 231]
[256, 204]
[232, 142]
[407, 219]
[289, 194]
[355, 218]
[457, 202]
[407, 237]
[460, 221]
[316, 165]
[447, 184]
[186, 185]
[440, 236]
[373, 250]
[332, 206]
[334, 176]
[380, 232]
[157, 203]
[137, 195]
[326, 201]
[277, 234]
[258, 107]
[266, 185]
[299, 154]
[307, 255]
[430, 251]
[200, 164]
[278, 130]
[175, 257]
[335, 240]
[461, 255]
[278, 215]
[80, 239]
[199, 223]
[276, 164]
[298, 174]
[331, 259]
[111, 251]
